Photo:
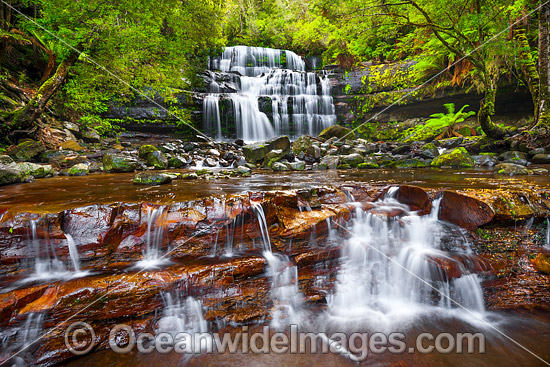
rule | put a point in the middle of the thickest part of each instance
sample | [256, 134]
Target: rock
[338, 132]
[113, 162]
[541, 159]
[353, 160]
[229, 156]
[279, 142]
[177, 162]
[278, 166]
[458, 157]
[313, 154]
[10, 174]
[511, 169]
[244, 171]
[210, 162]
[36, 170]
[204, 171]
[73, 128]
[541, 263]
[402, 149]
[6, 159]
[414, 197]
[144, 150]
[80, 169]
[464, 211]
[297, 166]
[428, 151]
[449, 143]
[254, 153]
[369, 164]
[345, 149]
[168, 148]
[410, 163]
[71, 145]
[239, 142]
[302, 144]
[190, 176]
[26, 151]
[330, 162]
[95, 167]
[90, 136]
[513, 157]
[484, 161]
[274, 156]
[157, 159]
[189, 146]
[152, 178]
[214, 152]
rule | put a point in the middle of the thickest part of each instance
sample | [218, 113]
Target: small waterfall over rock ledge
[257, 93]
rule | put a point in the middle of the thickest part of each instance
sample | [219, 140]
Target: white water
[20, 337]
[154, 237]
[547, 244]
[300, 101]
[73, 252]
[184, 316]
[387, 277]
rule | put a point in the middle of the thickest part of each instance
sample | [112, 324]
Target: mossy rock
[157, 159]
[458, 157]
[204, 171]
[337, 131]
[80, 169]
[152, 178]
[254, 153]
[353, 160]
[113, 162]
[10, 174]
[297, 166]
[368, 165]
[344, 166]
[274, 156]
[411, 163]
[302, 144]
[26, 151]
[144, 151]
[36, 170]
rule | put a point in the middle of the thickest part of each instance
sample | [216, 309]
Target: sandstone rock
[458, 157]
[151, 178]
[337, 131]
[541, 263]
[113, 162]
[26, 151]
[464, 211]
[414, 197]
[71, 145]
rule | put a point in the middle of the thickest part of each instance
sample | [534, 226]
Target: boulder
[428, 151]
[244, 171]
[144, 150]
[541, 263]
[514, 157]
[449, 143]
[302, 144]
[541, 159]
[484, 161]
[278, 166]
[80, 169]
[254, 153]
[71, 145]
[414, 197]
[330, 162]
[313, 154]
[464, 211]
[274, 156]
[10, 174]
[337, 131]
[152, 178]
[297, 166]
[511, 169]
[36, 170]
[157, 159]
[6, 159]
[279, 142]
[177, 162]
[113, 162]
[26, 151]
[210, 162]
[353, 160]
[458, 157]
[90, 136]
[368, 164]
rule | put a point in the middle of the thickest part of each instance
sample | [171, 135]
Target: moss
[344, 166]
[458, 157]
[369, 165]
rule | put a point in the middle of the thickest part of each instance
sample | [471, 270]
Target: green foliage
[437, 123]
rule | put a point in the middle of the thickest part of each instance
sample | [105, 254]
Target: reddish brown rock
[415, 197]
[464, 211]
[541, 263]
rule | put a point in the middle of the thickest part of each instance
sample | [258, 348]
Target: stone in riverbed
[157, 159]
[244, 171]
[152, 178]
[113, 162]
[353, 160]
[464, 211]
[90, 136]
[541, 159]
[144, 151]
[278, 166]
[26, 151]
[190, 176]
[337, 131]
[369, 164]
[458, 157]
[10, 174]
[71, 145]
[428, 151]
[511, 169]
[297, 166]
[514, 157]
[210, 162]
[329, 162]
[177, 162]
[80, 169]
[254, 153]
[541, 263]
[274, 156]
[36, 170]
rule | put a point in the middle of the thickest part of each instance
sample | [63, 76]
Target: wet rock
[90, 136]
[254, 153]
[274, 156]
[210, 162]
[80, 169]
[297, 166]
[6, 159]
[514, 157]
[278, 166]
[329, 162]
[302, 144]
[449, 143]
[113, 162]
[244, 171]
[458, 157]
[541, 263]
[144, 150]
[368, 164]
[313, 154]
[190, 146]
[157, 159]
[190, 176]
[353, 160]
[410, 163]
[279, 142]
[229, 156]
[168, 148]
[239, 142]
[464, 211]
[414, 197]
[177, 162]
[36, 170]
[26, 151]
[71, 145]
[511, 169]
[484, 161]
[428, 151]
[338, 132]
[541, 159]
[10, 174]
[152, 178]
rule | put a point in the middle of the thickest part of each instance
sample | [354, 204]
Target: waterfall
[547, 244]
[284, 291]
[274, 96]
[183, 318]
[154, 237]
[20, 337]
[73, 252]
[390, 270]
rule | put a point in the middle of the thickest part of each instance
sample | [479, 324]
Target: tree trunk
[528, 67]
[544, 68]
[26, 117]
[486, 110]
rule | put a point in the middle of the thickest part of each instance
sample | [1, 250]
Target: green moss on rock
[458, 157]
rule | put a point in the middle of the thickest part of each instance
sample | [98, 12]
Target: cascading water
[20, 337]
[183, 319]
[154, 236]
[274, 96]
[285, 293]
[390, 268]
[547, 244]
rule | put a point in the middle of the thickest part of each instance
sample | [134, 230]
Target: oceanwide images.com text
[80, 339]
